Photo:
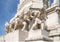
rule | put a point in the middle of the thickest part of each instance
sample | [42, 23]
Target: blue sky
[8, 9]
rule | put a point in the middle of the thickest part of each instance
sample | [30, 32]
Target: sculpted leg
[25, 26]
[42, 26]
[34, 26]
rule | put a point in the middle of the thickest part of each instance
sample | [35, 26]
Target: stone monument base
[38, 36]
[38, 41]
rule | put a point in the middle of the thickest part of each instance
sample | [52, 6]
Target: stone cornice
[50, 9]
[53, 8]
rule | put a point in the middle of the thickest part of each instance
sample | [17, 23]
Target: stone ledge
[55, 32]
[38, 35]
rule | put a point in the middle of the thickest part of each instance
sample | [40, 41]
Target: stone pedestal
[56, 39]
[16, 36]
[13, 36]
[1, 38]
[37, 41]
[55, 32]
[53, 21]
[23, 35]
[55, 35]
[38, 36]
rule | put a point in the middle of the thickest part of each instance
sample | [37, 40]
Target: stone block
[56, 38]
[1, 38]
[52, 20]
[36, 41]
[13, 36]
[56, 41]
[16, 36]
[21, 41]
[37, 0]
[39, 41]
[37, 34]
[55, 32]
[22, 35]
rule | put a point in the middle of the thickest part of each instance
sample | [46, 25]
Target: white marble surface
[54, 32]
[36, 41]
[1, 38]
[13, 36]
[37, 5]
[37, 34]
[52, 20]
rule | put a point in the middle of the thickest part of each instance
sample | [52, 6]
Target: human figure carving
[37, 23]
[12, 23]
[42, 16]
[27, 20]
[25, 26]
[39, 20]
[18, 24]
[8, 29]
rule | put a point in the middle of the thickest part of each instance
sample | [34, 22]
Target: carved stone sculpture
[12, 23]
[43, 16]
[8, 29]
[27, 20]
[18, 24]
[36, 25]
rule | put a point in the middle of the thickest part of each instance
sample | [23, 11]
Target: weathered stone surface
[49, 17]
[21, 41]
[56, 39]
[36, 5]
[1, 38]
[52, 21]
[36, 41]
[13, 36]
[55, 32]
[23, 35]
[37, 34]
